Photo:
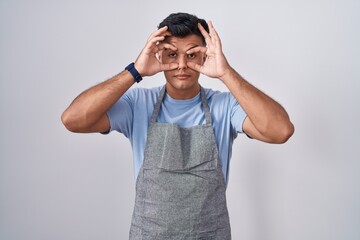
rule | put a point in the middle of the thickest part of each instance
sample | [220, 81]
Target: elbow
[285, 133]
[69, 122]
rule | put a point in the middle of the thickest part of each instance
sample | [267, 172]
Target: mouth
[182, 76]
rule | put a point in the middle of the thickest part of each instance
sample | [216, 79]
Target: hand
[215, 65]
[147, 63]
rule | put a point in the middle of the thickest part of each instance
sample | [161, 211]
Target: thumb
[169, 66]
[194, 66]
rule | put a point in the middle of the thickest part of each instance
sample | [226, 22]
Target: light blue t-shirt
[131, 116]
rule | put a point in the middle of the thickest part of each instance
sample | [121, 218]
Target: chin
[183, 84]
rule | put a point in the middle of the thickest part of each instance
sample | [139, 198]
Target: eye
[172, 55]
[191, 56]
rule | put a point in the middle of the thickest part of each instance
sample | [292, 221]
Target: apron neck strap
[157, 106]
[204, 102]
[205, 105]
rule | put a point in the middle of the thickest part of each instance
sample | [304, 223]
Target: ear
[159, 56]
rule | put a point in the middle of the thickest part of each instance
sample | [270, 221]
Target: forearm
[268, 117]
[91, 105]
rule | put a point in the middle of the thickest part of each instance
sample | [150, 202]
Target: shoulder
[142, 94]
[222, 102]
[217, 97]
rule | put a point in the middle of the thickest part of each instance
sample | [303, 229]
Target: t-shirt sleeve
[238, 115]
[121, 114]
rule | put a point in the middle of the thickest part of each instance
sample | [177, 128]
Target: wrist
[228, 73]
[139, 68]
[134, 72]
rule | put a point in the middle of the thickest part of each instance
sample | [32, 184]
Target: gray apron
[180, 189]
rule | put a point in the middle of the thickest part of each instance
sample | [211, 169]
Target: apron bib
[180, 189]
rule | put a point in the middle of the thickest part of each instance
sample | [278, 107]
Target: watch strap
[131, 68]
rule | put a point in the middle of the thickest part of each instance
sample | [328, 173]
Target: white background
[58, 185]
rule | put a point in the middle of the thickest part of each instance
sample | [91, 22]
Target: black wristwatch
[131, 68]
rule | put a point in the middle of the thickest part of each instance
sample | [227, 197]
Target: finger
[214, 35]
[156, 39]
[165, 34]
[195, 66]
[153, 43]
[204, 33]
[201, 49]
[163, 45]
[159, 31]
[169, 66]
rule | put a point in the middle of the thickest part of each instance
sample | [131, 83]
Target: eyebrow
[192, 47]
[185, 50]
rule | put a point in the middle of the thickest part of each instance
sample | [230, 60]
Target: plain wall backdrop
[58, 185]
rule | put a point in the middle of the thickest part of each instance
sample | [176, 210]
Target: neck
[182, 94]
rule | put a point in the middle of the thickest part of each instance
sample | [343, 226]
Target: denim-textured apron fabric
[180, 189]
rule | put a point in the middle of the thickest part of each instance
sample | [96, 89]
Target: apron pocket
[182, 149]
[165, 219]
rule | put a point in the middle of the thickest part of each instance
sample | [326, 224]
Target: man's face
[182, 82]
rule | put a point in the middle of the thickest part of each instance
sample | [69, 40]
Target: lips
[182, 76]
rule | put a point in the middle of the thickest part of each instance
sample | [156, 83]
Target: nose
[182, 62]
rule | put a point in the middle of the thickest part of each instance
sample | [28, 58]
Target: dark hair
[184, 24]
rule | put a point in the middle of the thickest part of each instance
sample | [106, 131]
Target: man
[181, 134]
